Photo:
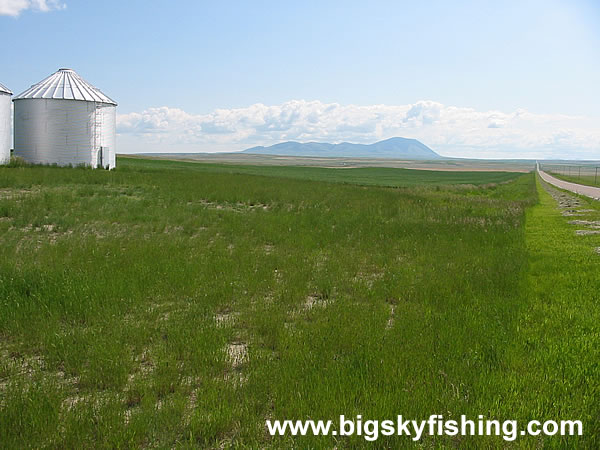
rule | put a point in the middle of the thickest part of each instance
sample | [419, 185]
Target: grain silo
[5, 124]
[65, 120]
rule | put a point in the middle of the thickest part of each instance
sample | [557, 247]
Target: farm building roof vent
[65, 84]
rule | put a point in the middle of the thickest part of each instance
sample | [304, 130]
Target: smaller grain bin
[65, 120]
[5, 125]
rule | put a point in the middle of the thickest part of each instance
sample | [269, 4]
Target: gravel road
[588, 191]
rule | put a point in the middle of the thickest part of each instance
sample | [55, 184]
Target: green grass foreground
[170, 304]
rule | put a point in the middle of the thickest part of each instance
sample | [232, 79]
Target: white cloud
[450, 130]
[16, 7]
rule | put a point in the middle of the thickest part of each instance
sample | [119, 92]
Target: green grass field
[171, 304]
[368, 176]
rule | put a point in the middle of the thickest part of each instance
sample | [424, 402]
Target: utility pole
[596, 176]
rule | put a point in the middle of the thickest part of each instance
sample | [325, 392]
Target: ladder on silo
[98, 137]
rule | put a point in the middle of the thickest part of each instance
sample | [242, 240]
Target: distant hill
[397, 147]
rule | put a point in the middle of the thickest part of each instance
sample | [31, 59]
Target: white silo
[5, 124]
[65, 120]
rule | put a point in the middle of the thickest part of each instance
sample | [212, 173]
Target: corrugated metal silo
[5, 124]
[64, 120]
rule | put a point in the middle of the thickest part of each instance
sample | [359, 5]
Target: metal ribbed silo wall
[109, 134]
[5, 128]
[51, 131]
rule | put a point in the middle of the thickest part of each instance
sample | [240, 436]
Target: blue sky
[468, 78]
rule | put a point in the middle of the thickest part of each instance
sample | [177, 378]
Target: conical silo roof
[5, 90]
[65, 84]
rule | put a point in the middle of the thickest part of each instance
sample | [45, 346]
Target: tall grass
[181, 305]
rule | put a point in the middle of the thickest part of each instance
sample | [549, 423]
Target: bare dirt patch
[369, 278]
[238, 357]
[315, 300]
[586, 232]
[225, 318]
[145, 367]
[48, 233]
[233, 207]
[12, 194]
[30, 367]
[589, 223]
[237, 353]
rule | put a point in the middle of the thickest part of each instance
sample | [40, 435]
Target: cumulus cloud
[16, 7]
[450, 130]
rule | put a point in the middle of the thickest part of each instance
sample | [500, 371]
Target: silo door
[106, 157]
[102, 157]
